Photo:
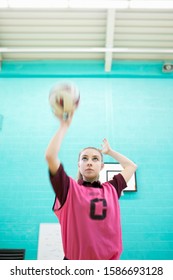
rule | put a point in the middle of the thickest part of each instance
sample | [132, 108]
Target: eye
[84, 158]
[95, 159]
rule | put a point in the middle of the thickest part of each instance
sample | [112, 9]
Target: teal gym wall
[131, 107]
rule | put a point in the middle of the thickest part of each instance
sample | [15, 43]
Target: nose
[89, 163]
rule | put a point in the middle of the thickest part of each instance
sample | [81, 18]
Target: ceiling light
[3, 4]
[151, 4]
[37, 3]
[88, 4]
[99, 4]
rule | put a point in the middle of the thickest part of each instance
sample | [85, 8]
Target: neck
[90, 180]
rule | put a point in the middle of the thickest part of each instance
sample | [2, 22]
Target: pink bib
[90, 223]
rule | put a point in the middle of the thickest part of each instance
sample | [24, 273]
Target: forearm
[124, 161]
[56, 141]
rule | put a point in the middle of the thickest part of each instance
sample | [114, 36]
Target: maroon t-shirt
[60, 184]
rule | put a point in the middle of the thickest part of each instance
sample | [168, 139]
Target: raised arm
[54, 146]
[128, 165]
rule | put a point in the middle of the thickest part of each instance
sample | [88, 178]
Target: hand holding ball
[64, 100]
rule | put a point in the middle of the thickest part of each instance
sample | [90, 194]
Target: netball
[64, 99]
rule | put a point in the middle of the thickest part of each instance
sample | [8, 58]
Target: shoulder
[119, 183]
[60, 182]
[59, 175]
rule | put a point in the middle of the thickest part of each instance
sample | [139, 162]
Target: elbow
[132, 166]
[51, 159]
[135, 167]
[48, 156]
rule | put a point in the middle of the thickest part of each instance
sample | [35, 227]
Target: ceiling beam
[109, 38]
[83, 50]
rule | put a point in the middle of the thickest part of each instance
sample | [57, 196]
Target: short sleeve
[60, 183]
[119, 183]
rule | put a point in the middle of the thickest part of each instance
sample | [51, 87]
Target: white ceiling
[34, 34]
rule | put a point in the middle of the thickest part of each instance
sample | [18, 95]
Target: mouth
[89, 169]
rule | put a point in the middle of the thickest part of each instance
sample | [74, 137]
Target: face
[90, 163]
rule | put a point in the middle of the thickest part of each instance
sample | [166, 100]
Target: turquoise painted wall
[133, 109]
